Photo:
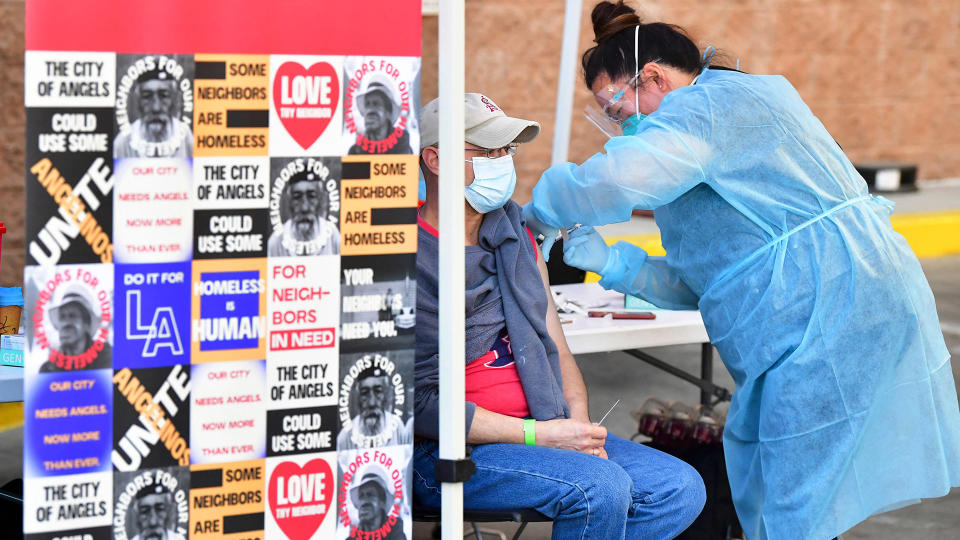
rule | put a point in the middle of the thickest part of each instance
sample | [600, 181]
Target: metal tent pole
[451, 44]
[567, 78]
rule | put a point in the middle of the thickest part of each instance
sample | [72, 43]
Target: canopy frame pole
[451, 43]
[566, 79]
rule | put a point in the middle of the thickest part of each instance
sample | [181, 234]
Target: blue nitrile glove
[586, 249]
[538, 227]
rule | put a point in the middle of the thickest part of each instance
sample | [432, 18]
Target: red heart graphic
[292, 486]
[306, 99]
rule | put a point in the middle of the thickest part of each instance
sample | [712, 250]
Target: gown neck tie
[756, 253]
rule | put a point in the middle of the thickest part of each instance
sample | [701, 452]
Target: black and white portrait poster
[220, 281]
[70, 327]
[154, 108]
[381, 100]
[374, 499]
[304, 207]
[376, 399]
[152, 503]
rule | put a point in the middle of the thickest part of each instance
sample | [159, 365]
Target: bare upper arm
[554, 327]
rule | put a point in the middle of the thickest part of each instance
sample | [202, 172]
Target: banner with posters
[220, 283]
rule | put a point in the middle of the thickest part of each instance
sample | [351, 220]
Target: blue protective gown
[845, 403]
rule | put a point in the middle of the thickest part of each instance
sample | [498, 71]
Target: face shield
[615, 110]
[619, 116]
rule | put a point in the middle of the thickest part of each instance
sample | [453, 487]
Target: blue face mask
[493, 183]
[632, 123]
[421, 186]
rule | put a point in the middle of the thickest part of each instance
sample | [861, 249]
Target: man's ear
[431, 158]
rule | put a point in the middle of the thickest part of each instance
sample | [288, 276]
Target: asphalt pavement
[615, 375]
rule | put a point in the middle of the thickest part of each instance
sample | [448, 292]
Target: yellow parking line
[930, 234]
[649, 242]
[11, 415]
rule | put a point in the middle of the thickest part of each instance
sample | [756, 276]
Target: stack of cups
[11, 309]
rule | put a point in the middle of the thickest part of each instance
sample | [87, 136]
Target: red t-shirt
[492, 381]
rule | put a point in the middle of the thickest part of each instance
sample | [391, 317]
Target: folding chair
[473, 517]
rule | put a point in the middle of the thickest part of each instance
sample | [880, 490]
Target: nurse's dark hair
[613, 28]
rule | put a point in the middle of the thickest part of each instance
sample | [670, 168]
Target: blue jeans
[638, 493]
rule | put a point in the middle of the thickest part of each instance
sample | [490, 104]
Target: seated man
[593, 484]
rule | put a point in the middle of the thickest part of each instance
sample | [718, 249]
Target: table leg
[707, 388]
[706, 370]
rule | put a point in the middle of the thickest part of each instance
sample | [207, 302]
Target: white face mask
[494, 180]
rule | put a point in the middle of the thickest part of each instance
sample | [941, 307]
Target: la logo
[161, 332]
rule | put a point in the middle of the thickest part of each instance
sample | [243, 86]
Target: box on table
[11, 350]
[632, 302]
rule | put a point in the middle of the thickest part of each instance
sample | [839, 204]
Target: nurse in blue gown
[845, 403]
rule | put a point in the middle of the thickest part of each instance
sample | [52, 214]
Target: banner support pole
[566, 79]
[451, 72]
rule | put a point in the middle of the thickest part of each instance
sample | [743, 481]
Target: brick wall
[12, 131]
[882, 75]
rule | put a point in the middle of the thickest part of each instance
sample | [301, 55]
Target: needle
[604, 417]
[565, 233]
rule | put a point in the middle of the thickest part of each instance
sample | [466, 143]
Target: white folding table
[11, 384]
[594, 334]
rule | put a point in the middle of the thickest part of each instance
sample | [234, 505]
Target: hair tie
[616, 25]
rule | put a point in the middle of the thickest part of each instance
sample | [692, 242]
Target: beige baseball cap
[485, 124]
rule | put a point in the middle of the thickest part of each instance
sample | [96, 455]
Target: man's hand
[569, 434]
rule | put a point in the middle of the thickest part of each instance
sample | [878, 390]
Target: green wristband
[530, 432]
